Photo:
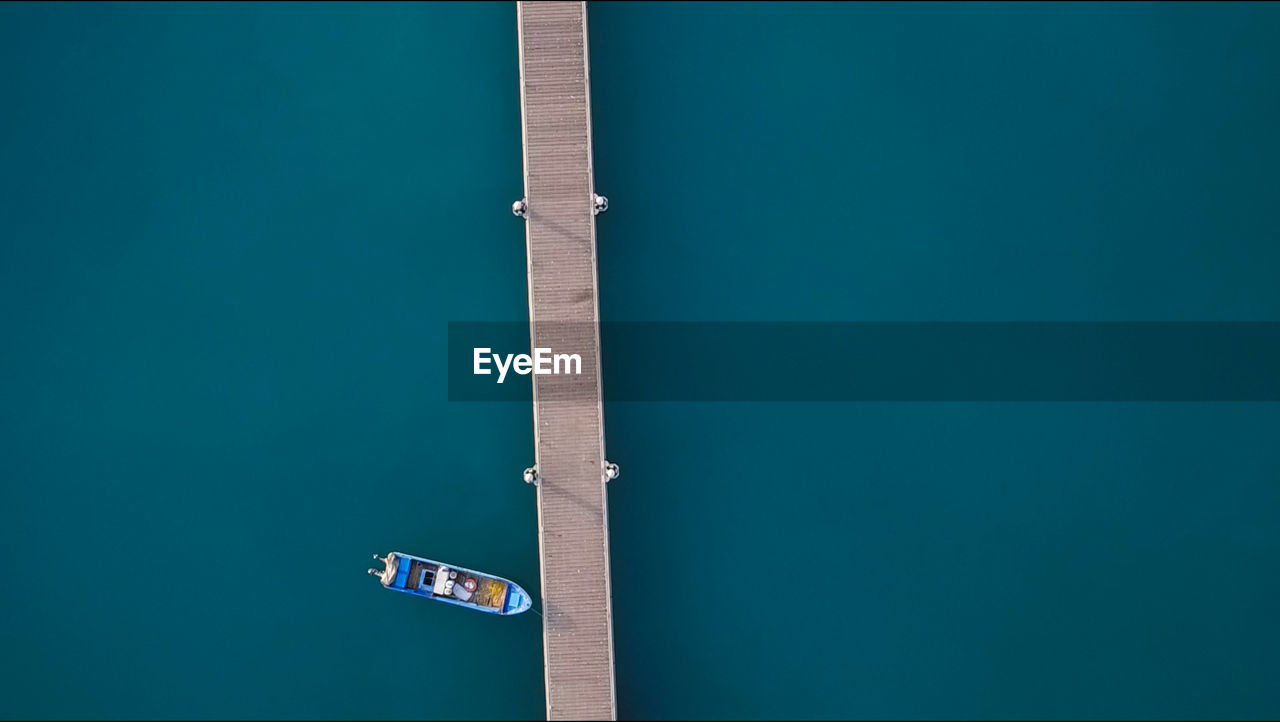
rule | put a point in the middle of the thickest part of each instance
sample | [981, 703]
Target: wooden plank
[563, 309]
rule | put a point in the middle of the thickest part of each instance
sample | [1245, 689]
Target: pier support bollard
[611, 471]
[531, 476]
[520, 209]
[599, 204]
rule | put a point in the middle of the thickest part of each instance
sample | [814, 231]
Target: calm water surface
[231, 237]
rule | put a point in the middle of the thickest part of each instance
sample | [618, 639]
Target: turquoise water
[233, 236]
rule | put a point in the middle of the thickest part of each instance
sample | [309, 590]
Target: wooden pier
[560, 233]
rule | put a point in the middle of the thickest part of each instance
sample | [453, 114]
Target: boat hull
[452, 584]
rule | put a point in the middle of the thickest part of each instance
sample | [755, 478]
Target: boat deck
[563, 311]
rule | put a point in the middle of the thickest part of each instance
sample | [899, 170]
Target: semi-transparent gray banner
[786, 361]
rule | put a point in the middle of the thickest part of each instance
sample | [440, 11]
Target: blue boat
[451, 584]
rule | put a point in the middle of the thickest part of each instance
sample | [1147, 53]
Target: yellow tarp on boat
[489, 592]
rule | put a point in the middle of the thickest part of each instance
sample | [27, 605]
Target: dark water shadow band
[888, 361]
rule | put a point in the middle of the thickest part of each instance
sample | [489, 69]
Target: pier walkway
[560, 233]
